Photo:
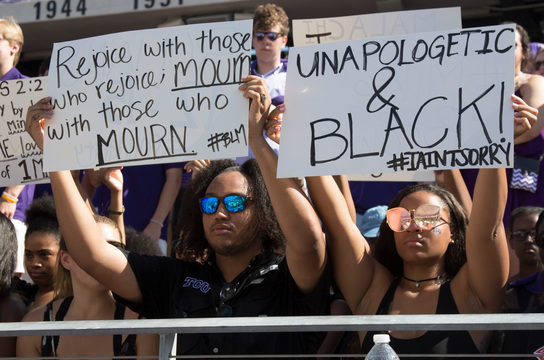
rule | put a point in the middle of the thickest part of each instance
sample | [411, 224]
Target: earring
[451, 239]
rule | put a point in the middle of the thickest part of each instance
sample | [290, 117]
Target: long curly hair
[193, 242]
[385, 250]
[8, 253]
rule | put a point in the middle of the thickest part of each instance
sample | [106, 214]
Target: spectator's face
[40, 257]
[231, 233]
[267, 50]
[418, 246]
[7, 50]
[524, 246]
[540, 60]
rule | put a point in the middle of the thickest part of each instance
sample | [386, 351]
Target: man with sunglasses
[253, 244]
[270, 30]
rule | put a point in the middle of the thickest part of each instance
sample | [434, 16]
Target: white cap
[381, 338]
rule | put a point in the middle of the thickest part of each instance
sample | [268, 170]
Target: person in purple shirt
[148, 196]
[270, 30]
[15, 200]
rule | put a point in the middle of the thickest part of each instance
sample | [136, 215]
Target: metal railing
[167, 328]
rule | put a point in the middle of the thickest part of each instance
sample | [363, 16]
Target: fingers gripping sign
[255, 89]
[35, 117]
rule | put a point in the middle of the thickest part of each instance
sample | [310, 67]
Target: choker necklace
[437, 280]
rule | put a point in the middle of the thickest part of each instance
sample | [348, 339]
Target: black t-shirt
[173, 288]
[525, 341]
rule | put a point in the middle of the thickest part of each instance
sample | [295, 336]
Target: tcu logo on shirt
[197, 284]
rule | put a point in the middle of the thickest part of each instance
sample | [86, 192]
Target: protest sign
[436, 100]
[312, 31]
[142, 97]
[20, 158]
[356, 27]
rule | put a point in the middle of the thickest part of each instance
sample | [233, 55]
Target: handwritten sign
[140, 97]
[437, 100]
[315, 31]
[20, 159]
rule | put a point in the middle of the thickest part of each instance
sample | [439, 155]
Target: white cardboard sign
[141, 97]
[436, 100]
[324, 30]
[20, 159]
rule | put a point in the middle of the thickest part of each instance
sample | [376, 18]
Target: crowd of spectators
[245, 243]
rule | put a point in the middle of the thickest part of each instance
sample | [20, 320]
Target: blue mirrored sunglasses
[272, 36]
[233, 203]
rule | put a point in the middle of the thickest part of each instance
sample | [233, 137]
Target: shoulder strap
[385, 305]
[47, 340]
[63, 308]
[446, 303]
[50, 343]
[128, 347]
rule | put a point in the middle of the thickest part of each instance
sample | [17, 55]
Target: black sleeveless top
[432, 342]
[50, 343]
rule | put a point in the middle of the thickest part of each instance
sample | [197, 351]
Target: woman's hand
[524, 116]
[35, 116]
[112, 178]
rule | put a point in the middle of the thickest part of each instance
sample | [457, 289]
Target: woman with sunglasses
[78, 296]
[426, 260]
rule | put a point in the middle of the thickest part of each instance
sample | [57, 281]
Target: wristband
[113, 212]
[156, 222]
[9, 198]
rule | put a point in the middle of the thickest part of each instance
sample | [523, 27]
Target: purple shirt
[142, 187]
[275, 80]
[27, 195]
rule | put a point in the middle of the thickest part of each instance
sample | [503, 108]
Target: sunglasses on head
[426, 217]
[272, 36]
[538, 64]
[233, 203]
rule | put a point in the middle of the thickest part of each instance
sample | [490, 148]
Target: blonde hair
[12, 32]
[63, 281]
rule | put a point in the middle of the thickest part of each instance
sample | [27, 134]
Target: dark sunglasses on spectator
[538, 64]
[233, 203]
[272, 36]
[521, 235]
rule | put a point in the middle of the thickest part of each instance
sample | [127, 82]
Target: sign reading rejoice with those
[168, 95]
[436, 100]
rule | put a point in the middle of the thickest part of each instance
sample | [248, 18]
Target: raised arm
[81, 233]
[305, 251]
[453, 181]
[167, 198]
[484, 275]
[486, 272]
[353, 267]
